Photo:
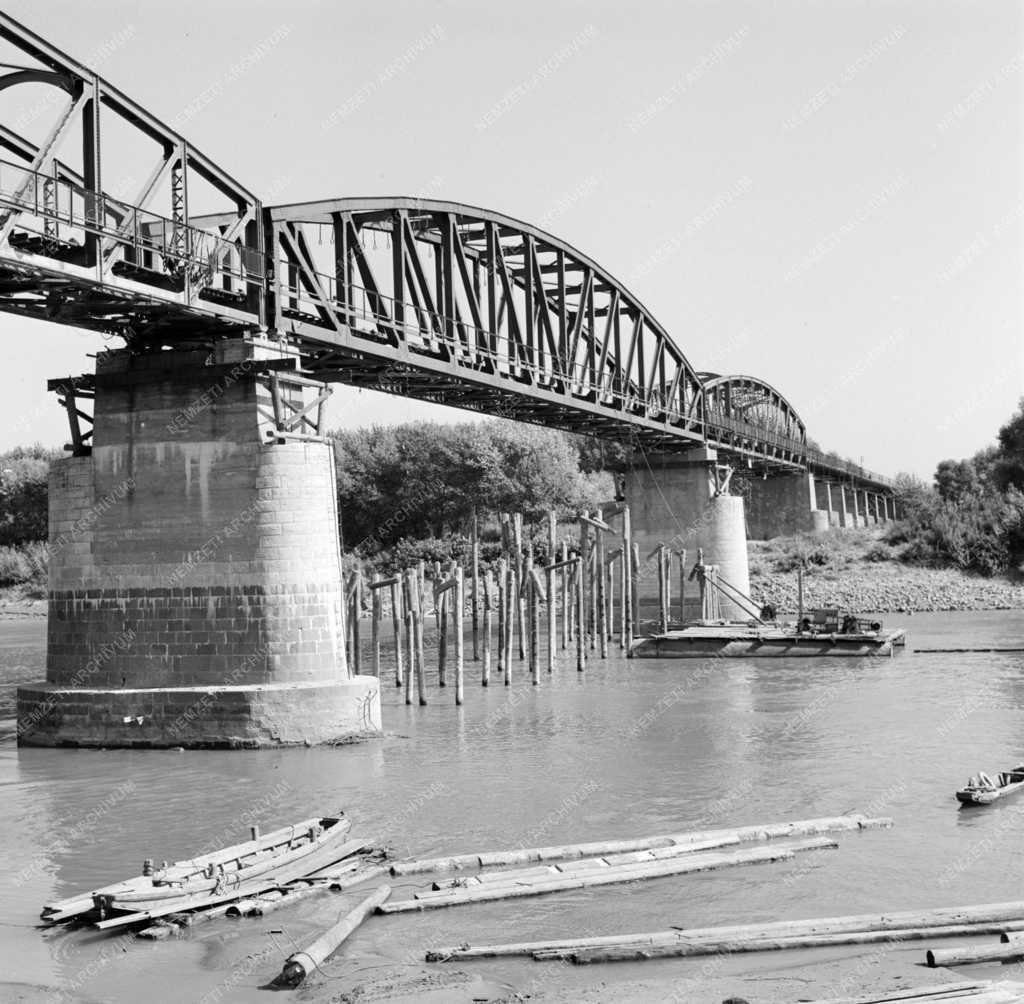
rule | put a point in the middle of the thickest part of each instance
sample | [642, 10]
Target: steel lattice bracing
[745, 412]
[435, 300]
[466, 307]
[73, 252]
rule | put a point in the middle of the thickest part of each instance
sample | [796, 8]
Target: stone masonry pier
[195, 593]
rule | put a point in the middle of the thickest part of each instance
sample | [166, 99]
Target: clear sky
[827, 195]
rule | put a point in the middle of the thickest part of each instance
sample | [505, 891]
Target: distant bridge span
[429, 299]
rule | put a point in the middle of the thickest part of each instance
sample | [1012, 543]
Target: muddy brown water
[629, 748]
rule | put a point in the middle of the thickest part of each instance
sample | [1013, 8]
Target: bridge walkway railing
[54, 217]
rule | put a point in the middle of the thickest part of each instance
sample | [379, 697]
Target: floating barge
[733, 640]
[818, 632]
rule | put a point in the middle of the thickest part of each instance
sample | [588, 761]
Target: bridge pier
[195, 594]
[783, 504]
[675, 500]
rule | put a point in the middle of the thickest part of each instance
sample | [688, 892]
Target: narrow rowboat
[214, 873]
[982, 790]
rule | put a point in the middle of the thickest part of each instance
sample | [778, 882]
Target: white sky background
[824, 195]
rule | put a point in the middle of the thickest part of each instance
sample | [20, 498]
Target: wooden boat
[982, 790]
[210, 874]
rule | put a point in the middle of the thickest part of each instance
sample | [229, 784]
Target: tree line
[410, 491]
[972, 517]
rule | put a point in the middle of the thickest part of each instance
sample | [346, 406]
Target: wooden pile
[610, 862]
[586, 588]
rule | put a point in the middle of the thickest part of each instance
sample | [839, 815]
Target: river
[628, 748]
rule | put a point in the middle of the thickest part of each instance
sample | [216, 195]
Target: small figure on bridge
[768, 612]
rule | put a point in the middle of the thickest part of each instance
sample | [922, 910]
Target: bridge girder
[62, 233]
[503, 307]
[465, 306]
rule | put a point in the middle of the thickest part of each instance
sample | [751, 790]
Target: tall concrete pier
[680, 501]
[195, 593]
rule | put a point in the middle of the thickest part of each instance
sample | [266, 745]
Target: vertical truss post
[50, 229]
[398, 231]
[492, 297]
[92, 174]
[530, 294]
[563, 321]
[179, 243]
[446, 287]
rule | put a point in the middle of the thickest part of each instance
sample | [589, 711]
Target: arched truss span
[473, 308]
[72, 252]
[743, 408]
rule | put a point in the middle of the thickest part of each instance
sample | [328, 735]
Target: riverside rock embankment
[839, 573]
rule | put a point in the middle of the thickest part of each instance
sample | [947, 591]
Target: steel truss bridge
[429, 299]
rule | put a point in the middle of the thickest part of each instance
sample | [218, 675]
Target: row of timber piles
[583, 596]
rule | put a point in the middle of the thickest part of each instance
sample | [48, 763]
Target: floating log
[764, 831]
[253, 906]
[708, 940]
[358, 877]
[609, 876]
[577, 865]
[298, 966]
[983, 992]
[159, 931]
[639, 953]
[966, 955]
[969, 650]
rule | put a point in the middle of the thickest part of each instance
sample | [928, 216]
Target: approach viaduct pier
[195, 593]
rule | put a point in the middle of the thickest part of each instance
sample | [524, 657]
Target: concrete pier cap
[195, 595]
[678, 500]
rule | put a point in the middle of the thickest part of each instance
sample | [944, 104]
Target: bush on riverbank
[25, 565]
[855, 578]
[973, 518]
[23, 494]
